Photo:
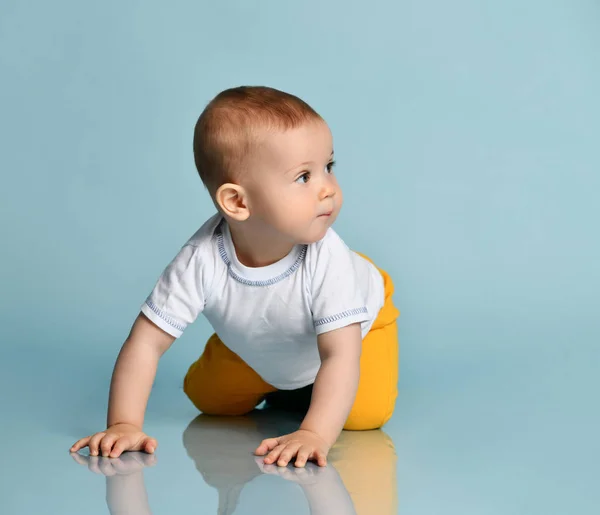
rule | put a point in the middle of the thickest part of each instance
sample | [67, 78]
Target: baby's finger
[80, 444]
[95, 442]
[287, 454]
[274, 454]
[321, 458]
[121, 445]
[266, 445]
[107, 443]
[303, 454]
[149, 445]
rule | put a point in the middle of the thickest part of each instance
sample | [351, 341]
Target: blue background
[467, 141]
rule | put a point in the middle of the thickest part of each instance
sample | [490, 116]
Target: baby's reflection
[360, 476]
[361, 469]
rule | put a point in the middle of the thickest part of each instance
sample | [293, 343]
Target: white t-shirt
[270, 316]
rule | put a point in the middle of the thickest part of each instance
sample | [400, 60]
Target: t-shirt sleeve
[336, 298]
[177, 298]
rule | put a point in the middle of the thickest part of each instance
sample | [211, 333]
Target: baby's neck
[256, 249]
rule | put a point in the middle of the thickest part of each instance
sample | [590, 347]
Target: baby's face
[293, 191]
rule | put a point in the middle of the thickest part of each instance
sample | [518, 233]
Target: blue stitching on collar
[247, 282]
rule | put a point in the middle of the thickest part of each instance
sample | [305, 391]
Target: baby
[296, 313]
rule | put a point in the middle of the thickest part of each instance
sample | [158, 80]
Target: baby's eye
[304, 178]
[330, 166]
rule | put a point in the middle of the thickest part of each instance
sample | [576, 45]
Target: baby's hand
[304, 444]
[115, 440]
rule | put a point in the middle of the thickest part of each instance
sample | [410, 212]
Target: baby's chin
[314, 235]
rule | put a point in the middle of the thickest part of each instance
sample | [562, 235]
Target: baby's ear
[233, 201]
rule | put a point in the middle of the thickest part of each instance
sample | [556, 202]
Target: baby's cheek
[339, 198]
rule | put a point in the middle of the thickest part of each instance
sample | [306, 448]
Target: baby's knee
[209, 403]
[212, 400]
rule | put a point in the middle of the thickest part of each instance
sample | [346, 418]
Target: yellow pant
[221, 383]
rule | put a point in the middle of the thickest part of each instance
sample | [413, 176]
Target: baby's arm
[130, 387]
[332, 398]
[336, 383]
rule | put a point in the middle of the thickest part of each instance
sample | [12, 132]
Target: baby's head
[266, 158]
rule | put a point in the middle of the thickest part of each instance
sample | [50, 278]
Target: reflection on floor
[360, 476]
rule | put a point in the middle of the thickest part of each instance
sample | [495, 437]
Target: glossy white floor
[508, 426]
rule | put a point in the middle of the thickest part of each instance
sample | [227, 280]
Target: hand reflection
[125, 488]
[128, 463]
[359, 478]
[300, 475]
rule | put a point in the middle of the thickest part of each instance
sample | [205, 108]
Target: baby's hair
[229, 126]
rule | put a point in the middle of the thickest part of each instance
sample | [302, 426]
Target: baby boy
[292, 307]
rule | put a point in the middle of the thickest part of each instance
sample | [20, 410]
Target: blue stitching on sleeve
[170, 320]
[339, 316]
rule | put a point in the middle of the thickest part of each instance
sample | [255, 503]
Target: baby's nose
[327, 191]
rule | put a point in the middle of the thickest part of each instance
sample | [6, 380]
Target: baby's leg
[221, 383]
[378, 384]
[377, 387]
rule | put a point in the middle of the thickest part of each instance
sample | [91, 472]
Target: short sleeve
[336, 298]
[177, 298]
